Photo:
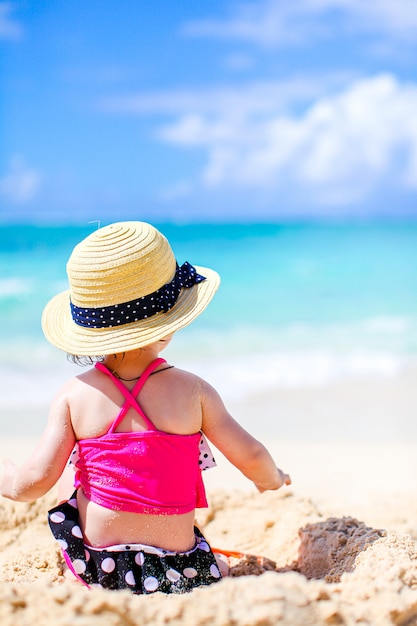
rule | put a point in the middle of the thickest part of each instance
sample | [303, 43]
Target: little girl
[133, 425]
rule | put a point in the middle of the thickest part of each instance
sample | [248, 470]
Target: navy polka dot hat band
[126, 291]
[160, 300]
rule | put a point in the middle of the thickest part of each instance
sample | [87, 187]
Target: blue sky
[220, 110]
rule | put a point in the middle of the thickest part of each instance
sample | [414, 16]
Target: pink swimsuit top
[149, 471]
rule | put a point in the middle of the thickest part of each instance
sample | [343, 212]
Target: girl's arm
[44, 467]
[238, 446]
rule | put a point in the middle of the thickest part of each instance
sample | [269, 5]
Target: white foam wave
[14, 287]
[31, 373]
[240, 362]
[375, 334]
[386, 324]
[237, 379]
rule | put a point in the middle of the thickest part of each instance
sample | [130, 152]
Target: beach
[315, 355]
[338, 546]
[273, 144]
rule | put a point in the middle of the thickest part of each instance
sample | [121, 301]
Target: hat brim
[60, 329]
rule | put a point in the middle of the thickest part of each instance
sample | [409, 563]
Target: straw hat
[126, 291]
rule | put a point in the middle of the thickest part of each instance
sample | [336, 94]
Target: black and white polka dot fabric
[142, 569]
[206, 459]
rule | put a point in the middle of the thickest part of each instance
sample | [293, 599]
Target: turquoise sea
[300, 305]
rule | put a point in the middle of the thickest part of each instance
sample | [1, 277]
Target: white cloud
[264, 23]
[334, 139]
[256, 98]
[10, 28]
[271, 23]
[20, 183]
[397, 18]
[342, 146]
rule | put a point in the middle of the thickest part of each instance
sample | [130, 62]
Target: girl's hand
[282, 479]
[285, 478]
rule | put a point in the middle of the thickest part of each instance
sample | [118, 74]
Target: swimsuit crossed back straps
[148, 471]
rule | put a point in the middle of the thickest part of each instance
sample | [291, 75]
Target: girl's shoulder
[185, 377]
[198, 384]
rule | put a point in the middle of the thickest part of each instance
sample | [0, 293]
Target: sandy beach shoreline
[341, 540]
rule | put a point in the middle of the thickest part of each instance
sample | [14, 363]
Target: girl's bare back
[171, 400]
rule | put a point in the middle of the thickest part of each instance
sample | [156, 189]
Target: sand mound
[330, 548]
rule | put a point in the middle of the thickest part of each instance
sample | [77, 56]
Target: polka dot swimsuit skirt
[142, 569]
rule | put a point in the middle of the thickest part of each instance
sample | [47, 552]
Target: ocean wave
[15, 287]
[387, 324]
[376, 334]
[239, 362]
[237, 379]
[233, 377]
